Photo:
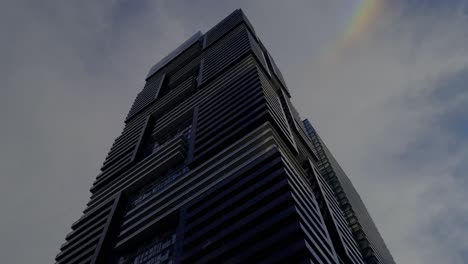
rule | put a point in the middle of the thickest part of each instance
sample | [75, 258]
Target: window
[159, 250]
[181, 77]
[154, 144]
[157, 185]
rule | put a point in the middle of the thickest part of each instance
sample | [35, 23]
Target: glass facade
[157, 185]
[365, 232]
[160, 250]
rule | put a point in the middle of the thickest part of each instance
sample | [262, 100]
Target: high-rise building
[365, 232]
[214, 165]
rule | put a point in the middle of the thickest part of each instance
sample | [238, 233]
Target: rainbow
[364, 14]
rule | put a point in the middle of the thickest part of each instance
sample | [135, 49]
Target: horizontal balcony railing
[156, 186]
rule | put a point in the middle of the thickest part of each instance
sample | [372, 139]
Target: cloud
[69, 75]
[383, 108]
[389, 108]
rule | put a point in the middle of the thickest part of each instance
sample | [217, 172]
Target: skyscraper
[214, 165]
[365, 232]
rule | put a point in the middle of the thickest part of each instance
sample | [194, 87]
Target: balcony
[156, 186]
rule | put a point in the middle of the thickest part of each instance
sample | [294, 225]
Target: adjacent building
[371, 244]
[214, 165]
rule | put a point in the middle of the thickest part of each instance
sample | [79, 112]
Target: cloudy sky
[391, 104]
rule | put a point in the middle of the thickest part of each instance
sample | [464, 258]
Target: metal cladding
[213, 166]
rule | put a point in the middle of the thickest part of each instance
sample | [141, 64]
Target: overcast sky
[392, 107]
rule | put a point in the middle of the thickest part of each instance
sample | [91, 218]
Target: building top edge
[182, 47]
